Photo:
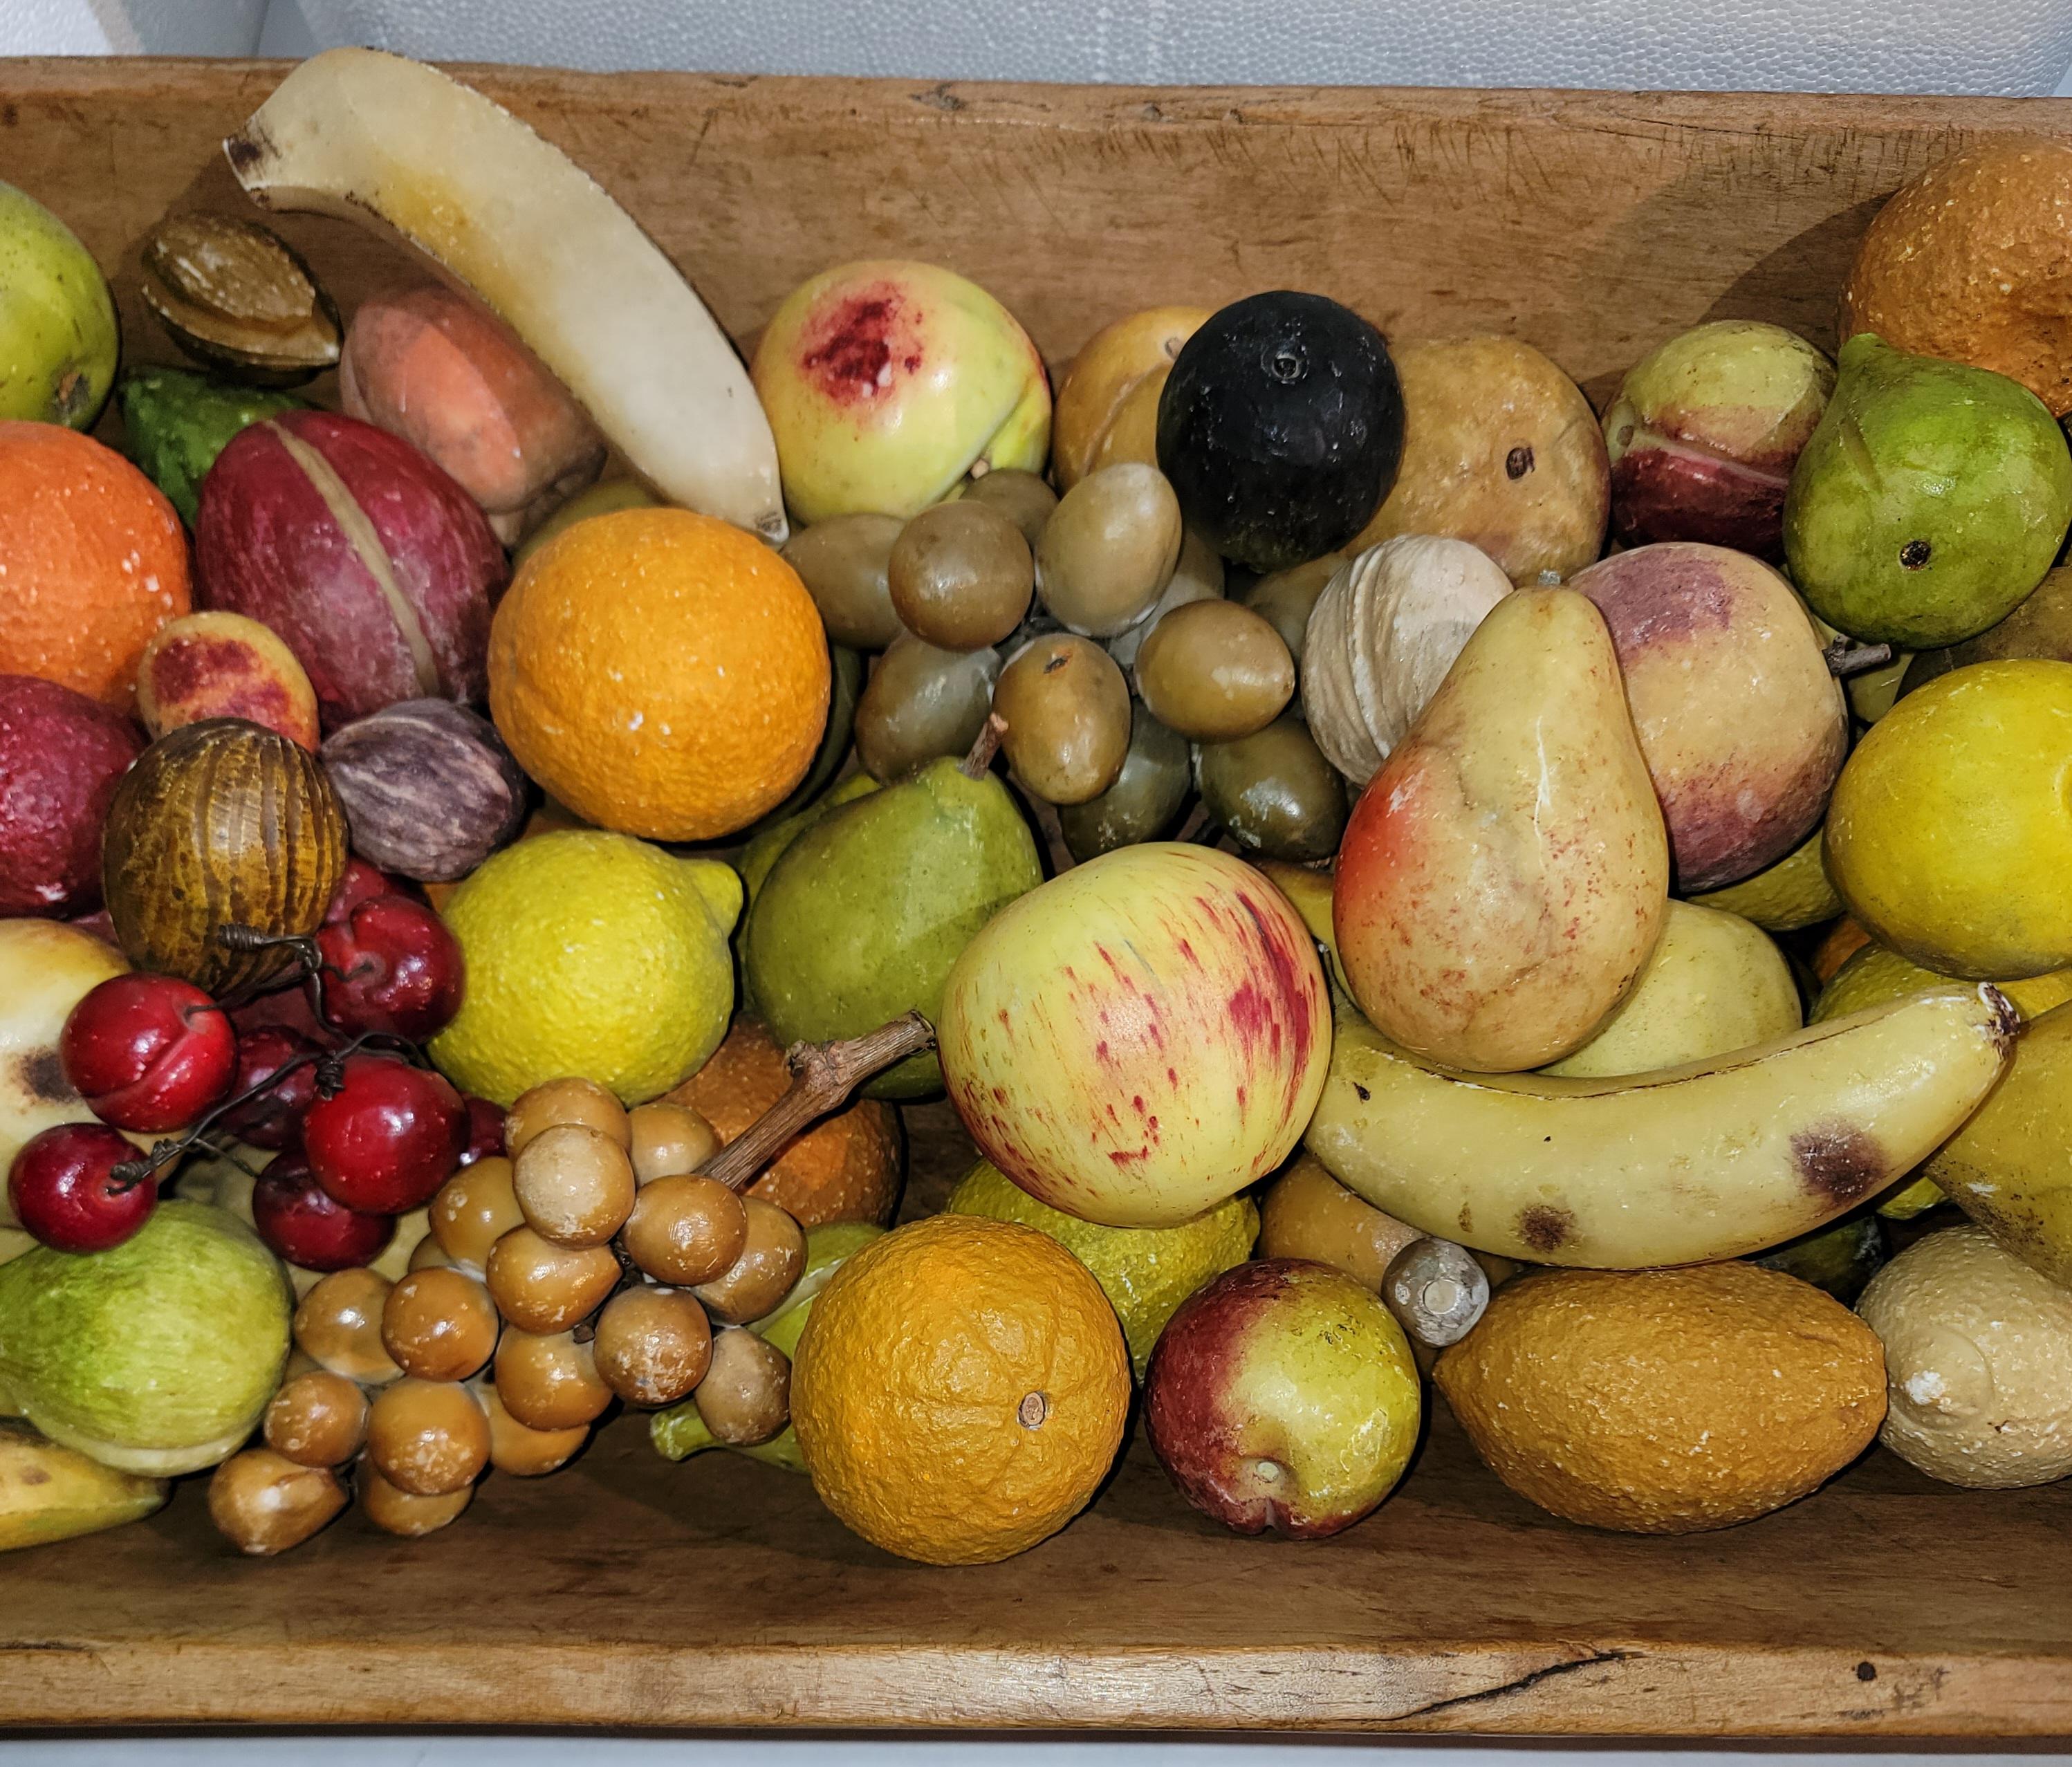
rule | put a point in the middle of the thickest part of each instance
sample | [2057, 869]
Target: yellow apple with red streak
[887, 382]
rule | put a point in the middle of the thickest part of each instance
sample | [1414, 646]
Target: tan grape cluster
[590, 1263]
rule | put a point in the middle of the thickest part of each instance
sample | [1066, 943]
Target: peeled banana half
[1715, 1159]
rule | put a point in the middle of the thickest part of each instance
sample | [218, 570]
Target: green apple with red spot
[1140, 1037]
[1283, 1395]
[888, 383]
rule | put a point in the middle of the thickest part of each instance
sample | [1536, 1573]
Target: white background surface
[1983, 45]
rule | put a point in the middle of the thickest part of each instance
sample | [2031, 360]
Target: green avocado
[862, 915]
[178, 422]
[1929, 503]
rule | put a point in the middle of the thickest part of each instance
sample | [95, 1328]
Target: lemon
[1145, 1272]
[1792, 893]
[589, 954]
[1876, 974]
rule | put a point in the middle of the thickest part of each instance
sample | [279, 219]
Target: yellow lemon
[589, 954]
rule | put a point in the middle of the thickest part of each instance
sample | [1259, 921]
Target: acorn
[219, 823]
[429, 790]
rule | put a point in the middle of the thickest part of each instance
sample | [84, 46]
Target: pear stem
[1845, 658]
[823, 1076]
[979, 762]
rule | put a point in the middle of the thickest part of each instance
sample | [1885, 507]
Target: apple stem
[1845, 658]
[823, 1076]
[979, 762]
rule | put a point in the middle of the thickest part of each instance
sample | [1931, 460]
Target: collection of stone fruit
[1355, 835]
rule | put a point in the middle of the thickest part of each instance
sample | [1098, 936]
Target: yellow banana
[49, 1492]
[1713, 1160]
[401, 146]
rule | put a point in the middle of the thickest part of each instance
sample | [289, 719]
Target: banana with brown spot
[1715, 1159]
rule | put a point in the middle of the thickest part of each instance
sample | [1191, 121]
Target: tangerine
[845, 1168]
[661, 673]
[960, 1390]
[93, 561]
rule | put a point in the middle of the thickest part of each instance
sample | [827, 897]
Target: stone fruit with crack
[1283, 1395]
[888, 381]
[1705, 430]
[383, 140]
[61, 756]
[376, 569]
[1140, 1038]
[1740, 722]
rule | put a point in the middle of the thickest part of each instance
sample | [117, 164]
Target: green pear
[862, 915]
[765, 850]
[58, 333]
[1930, 500]
[2040, 626]
[157, 1356]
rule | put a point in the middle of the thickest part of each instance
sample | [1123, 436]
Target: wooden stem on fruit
[1437, 1290]
[823, 1076]
[1846, 658]
[979, 762]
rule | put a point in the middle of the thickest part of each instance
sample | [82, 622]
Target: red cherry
[485, 1130]
[305, 1224]
[64, 1189]
[148, 1052]
[274, 1118]
[388, 1137]
[363, 882]
[391, 965]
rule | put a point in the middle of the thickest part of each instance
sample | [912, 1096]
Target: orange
[845, 1168]
[93, 561]
[1844, 940]
[960, 1390]
[662, 673]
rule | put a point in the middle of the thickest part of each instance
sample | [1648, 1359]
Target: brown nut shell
[428, 1437]
[428, 789]
[317, 1419]
[395, 1510]
[338, 1325]
[522, 1452]
[439, 1324]
[745, 1397]
[217, 823]
[685, 1230]
[653, 1345]
[474, 1209]
[549, 1382]
[570, 1100]
[235, 295]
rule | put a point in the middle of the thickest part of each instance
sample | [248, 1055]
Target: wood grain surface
[627, 1591]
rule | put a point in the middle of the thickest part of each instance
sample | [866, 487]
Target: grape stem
[823, 1076]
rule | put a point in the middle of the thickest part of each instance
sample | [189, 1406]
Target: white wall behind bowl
[130, 27]
[1997, 47]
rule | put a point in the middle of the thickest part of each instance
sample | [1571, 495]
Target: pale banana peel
[49, 1492]
[1715, 1159]
[510, 219]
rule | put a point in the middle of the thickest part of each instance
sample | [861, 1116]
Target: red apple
[1283, 1395]
[377, 570]
[60, 755]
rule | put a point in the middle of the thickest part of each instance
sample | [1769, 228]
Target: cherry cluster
[323, 1070]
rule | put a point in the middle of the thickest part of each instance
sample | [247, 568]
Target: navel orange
[845, 1168]
[662, 673]
[93, 561]
[960, 1390]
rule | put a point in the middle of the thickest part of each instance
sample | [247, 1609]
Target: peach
[429, 365]
[886, 382]
[1742, 725]
[1114, 382]
[219, 665]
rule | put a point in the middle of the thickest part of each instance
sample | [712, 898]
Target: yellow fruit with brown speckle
[1666, 1401]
